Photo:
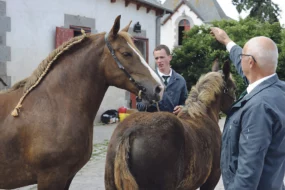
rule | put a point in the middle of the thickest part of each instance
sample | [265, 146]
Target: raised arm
[235, 50]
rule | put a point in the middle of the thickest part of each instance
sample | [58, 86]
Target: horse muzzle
[158, 91]
[152, 96]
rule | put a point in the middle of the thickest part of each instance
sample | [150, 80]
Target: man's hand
[220, 35]
[177, 109]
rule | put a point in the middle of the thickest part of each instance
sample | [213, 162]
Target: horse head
[127, 68]
[228, 96]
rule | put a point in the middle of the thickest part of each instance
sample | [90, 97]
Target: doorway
[142, 45]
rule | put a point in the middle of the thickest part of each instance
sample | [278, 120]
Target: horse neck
[78, 77]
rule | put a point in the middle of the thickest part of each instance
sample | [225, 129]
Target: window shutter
[62, 35]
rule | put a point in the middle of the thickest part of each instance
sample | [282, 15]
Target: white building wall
[169, 29]
[32, 36]
[167, 34]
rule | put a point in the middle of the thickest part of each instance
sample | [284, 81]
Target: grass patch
[99, 150]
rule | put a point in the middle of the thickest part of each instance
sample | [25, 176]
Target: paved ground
[91, 176]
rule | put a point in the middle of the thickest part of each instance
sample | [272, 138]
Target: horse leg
[68, 183]
[212, 180]
[51, 181]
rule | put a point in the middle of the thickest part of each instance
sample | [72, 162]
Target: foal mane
[204, 93]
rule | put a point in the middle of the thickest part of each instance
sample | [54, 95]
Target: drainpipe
[157, 31]
[157, 28]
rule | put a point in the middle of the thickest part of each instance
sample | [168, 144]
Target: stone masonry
[5, 51]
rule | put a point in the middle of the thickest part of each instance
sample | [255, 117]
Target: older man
[253, 143]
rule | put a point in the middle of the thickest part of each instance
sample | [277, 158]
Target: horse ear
[226, 69]
[215, 66]
[126, 29]
[116, 27]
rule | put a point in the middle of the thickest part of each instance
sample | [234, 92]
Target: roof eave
[155, 6]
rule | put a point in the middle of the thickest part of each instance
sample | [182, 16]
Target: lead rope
[157, 106]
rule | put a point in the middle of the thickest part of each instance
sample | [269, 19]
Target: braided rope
[157, 106]
[59, 51]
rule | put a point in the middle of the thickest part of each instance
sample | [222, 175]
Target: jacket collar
[265, 84]
[172, 78]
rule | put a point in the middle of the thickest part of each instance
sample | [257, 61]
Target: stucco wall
[32, 35]
[169, 31]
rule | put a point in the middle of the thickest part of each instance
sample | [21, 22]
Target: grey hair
[264, 50]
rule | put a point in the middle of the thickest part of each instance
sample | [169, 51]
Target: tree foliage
[200, 49]
[262, 10]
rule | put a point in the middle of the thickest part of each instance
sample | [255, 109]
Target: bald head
[264, 51]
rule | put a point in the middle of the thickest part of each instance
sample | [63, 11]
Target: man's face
[162, 60]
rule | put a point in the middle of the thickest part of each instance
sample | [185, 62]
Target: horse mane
[32, 81]
[43, 68]
[204, 93]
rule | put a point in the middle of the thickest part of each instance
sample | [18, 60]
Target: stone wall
[5, 51]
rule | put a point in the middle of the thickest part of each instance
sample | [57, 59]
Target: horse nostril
[157, 90]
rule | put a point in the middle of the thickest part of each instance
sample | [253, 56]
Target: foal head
[228, 94]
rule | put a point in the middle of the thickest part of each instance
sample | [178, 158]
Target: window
[77, 30]
[64, 34]
[184, 25]
[142, 45]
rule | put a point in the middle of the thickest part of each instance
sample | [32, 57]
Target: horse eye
[127, 54]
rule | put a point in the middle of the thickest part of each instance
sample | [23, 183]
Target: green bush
[199, 49]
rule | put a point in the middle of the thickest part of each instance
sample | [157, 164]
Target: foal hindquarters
[150, 152]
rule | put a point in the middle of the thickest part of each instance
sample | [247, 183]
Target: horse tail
[123, 177]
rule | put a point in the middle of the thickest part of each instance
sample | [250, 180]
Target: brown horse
[163, 152]
[48, 137]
